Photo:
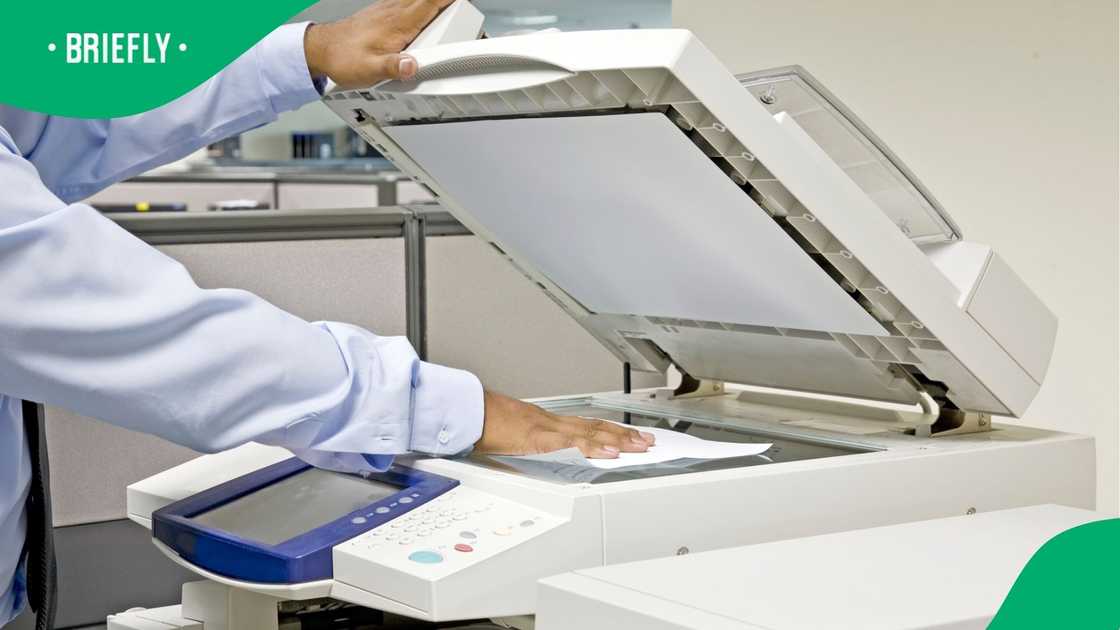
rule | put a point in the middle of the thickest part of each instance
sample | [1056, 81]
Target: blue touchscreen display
[301, 503]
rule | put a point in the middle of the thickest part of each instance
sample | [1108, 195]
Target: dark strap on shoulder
[42, 574]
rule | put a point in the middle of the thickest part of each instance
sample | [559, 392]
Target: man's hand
[513, 427]
[364, 48]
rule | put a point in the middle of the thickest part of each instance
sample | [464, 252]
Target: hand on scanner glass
[365, 48]
[512, 427]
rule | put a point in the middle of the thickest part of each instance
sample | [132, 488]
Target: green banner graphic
[119, 57]
[1073, 581]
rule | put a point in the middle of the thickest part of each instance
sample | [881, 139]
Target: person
[94, 320]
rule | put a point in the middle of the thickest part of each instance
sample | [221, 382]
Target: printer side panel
[1015, 317]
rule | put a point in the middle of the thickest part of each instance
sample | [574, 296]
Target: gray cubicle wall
[357, 281]
[482, 316]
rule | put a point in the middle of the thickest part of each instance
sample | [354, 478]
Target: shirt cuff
[283, 67]
[447, 410]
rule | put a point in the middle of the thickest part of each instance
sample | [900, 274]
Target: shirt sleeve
[77, 157]
[96, 321]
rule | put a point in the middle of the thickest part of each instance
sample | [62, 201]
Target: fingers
[603, 433]
[402, 67]
[513, 427]
[640, 437]
[426, 10]
[420, 13]
[549, 441]
[612, 429]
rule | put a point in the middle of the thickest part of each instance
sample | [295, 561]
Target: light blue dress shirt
[94, 320]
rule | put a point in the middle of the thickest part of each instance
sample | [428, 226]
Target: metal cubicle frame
[412, 222]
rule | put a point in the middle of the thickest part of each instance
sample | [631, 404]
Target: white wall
[1007, 111]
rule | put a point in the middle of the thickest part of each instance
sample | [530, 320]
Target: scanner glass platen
[783, 449]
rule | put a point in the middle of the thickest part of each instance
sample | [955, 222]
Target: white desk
[943, 573]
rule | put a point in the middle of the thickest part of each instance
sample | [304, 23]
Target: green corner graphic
[1072, 582]
[55, 53]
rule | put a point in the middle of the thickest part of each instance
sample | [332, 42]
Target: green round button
[426, 557]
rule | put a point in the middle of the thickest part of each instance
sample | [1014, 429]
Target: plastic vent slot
[479, 64]
[637, 89]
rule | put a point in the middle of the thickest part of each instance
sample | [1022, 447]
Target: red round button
[465, 548]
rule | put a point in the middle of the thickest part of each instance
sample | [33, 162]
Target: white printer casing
[488, 123]
[752, 233]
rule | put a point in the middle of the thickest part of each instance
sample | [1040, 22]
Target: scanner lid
[749, 230]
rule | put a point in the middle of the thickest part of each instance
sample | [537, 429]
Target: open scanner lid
[752, 232]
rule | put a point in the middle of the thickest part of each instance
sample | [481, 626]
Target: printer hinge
[692, 387]
[941, 417]
[938, 415]
[953, 421]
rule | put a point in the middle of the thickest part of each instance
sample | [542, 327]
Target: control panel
[458, 530]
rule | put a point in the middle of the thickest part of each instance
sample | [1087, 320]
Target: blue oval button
[425, 557]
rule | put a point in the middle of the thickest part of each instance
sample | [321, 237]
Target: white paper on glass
[671, 445]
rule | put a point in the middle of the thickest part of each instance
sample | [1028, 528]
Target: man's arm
[98, 322]
[95, 320]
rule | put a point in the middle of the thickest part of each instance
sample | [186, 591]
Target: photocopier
[747, 232]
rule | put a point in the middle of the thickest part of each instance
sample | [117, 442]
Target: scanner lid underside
[660, 233]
